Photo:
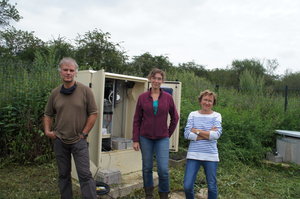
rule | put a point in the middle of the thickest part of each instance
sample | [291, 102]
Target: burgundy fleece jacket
[152, 126]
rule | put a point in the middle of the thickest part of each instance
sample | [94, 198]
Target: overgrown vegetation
[23, 97]
[249, 118]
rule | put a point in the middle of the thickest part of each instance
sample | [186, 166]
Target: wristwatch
[198, 132]
[85, 135]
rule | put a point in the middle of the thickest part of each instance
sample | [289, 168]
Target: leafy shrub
[26, 92]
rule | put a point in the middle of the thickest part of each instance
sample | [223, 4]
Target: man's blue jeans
[191, 170]
[159, 147]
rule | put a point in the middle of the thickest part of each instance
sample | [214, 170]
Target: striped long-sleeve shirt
[203, 149]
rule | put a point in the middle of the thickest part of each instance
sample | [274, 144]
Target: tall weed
[249, 124]
[25, 93]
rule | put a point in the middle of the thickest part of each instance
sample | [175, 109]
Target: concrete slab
[130, 183]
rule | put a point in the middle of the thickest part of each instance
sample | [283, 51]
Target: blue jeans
[191, 170]
[160, 148]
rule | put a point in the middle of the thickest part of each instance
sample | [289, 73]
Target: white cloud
[211, 32]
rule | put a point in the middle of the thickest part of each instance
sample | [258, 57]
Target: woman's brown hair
[156, 70]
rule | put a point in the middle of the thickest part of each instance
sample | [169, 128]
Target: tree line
[95, 49]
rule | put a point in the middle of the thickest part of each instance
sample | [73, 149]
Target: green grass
[35, 181]
[265, 181]
[235, 180]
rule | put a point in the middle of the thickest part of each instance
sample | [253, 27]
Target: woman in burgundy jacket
[151, 132]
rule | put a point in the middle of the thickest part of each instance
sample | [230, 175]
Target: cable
[102, 188]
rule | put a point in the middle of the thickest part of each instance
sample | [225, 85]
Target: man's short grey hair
[67, 60]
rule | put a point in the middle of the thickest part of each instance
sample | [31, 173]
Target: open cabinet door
[84, 77]
[94, 80]
[174, 88]
[95, 139]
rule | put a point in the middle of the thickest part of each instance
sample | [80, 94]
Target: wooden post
[285, 98]
[217, 88]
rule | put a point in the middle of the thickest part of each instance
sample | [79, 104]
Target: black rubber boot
[163, 195]
[149, 192]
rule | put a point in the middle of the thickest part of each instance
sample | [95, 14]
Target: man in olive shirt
[73, 106]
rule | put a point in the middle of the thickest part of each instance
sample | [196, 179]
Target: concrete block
[278, 158]
[121, 143]
[118, 144]
[128, 144]
[130, 183]
[274, 158]
[112, 176]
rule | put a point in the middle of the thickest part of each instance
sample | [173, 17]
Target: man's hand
[50, 134]
[136, 146]
[83, 135]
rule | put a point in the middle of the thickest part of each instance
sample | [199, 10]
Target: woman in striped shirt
[203, 129]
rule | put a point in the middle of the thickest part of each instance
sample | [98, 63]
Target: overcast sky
[211, 33]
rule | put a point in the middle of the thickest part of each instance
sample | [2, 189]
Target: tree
[61, 48]
[199, 70]
[292, 80]
[251, 83]
[144, 63]
[222, 77]
[270, 77]
[18, 44]
[8, 12]
[252, 65]
[271, 66]
[94, 49]
[248, 64]
[56, 49]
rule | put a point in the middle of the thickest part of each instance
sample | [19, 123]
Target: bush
[26, 91]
